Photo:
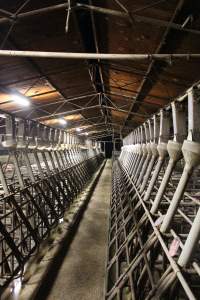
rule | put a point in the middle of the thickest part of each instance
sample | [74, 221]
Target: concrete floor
[82, 273]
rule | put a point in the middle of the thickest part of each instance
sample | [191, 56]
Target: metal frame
[154, 222]
[42, 170]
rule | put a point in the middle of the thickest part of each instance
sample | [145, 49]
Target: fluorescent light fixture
[78, 129]
[3, 116]
[21, 100]
[62, 121]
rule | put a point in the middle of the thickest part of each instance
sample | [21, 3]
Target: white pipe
[154, 156]
[175, 153]
[105, 56]
[145, 165]
[191, 242]
[191, 153]
[141, 163]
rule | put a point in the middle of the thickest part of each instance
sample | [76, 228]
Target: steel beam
[138, 18]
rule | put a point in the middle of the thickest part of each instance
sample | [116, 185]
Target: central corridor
[82, 274]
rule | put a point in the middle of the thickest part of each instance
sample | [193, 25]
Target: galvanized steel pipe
[104, 56]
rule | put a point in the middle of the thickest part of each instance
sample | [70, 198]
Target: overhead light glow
[86, 133]
[78, 129]
[21, 100]
[62, 121]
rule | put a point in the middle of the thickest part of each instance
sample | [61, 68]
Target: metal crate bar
[42, 170]
[153, 247]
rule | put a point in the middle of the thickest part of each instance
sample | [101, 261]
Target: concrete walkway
[82, 274]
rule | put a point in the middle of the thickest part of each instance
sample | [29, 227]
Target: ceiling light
[86, 133]
[21, 100]
[78, 129]
[62, 121]
[3, 116]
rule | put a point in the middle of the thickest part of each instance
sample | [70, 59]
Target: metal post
[38, 164]
[17, 169]
[29, 168]
[3, 181]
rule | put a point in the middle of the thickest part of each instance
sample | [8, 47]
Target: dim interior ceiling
[99, 97]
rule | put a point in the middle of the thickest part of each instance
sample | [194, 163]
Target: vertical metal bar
[17, 169]
[3, 181]
[38, 164]
[46, 163]
[29, 168]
